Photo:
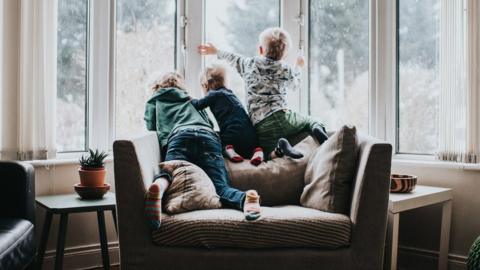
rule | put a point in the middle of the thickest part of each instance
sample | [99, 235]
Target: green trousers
[282, 124]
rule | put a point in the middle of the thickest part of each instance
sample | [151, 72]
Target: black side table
[72, 203]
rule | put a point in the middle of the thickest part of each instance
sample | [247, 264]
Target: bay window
[378, 65]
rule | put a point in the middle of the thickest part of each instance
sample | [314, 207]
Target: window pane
[339, 55]
[71, 75]
[418, 81]
[234, 25]
[145, 47]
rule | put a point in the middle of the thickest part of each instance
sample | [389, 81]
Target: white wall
[420, 229]
[9, 77]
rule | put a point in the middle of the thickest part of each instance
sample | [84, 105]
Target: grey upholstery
[283, 226]
[136, 161]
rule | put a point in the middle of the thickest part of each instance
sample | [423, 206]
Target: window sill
[59, 161]
[430, 162]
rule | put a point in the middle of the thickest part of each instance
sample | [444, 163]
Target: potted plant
[92, 169]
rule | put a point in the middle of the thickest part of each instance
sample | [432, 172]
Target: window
[145, 48]
[339, 62]
[418, 89]
[72, 75]
[234, 25]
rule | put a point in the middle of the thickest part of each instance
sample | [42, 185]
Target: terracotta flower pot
[92, 177]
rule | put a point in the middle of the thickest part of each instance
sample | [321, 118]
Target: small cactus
[95, 160]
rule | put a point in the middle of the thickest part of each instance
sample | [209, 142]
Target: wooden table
[421, 196]
[72, 203]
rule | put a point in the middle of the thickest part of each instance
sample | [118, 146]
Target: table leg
[114, 215]
[44, 239]
[392, 241]
[61, 241]
[445, 235]
[103, 239]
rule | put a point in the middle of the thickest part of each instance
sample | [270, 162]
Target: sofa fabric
[284, 226]
[279, 181]
[136, 162]
[191, 188]
[330, 172]
[16, 243]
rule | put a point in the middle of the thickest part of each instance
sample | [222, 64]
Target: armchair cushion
[191, 188]
[285, 226]
[17, 246]
[279, 181]
[330, 173]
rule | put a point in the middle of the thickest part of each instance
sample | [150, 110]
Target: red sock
[257, 157]
[232, 155]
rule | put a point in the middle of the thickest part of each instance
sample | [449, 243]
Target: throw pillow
[330, 172]
[278, 181]
[190, 189]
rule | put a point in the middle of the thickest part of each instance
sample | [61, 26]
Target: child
[267, 79]
[236, 130]
[187, 134]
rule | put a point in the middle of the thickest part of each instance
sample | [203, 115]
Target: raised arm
[235, 60]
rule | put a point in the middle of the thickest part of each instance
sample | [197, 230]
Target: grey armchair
[136, 162]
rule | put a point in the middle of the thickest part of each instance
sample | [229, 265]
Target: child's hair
[169, 79]
[213, 77]
[276, 42]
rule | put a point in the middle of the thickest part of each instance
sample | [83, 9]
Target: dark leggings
[203, 148]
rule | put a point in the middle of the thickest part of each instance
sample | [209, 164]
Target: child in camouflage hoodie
[267, 79]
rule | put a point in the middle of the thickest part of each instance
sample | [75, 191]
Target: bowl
[91, 193]
[401, 183]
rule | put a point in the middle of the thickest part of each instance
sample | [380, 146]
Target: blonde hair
[213, 76]
[169, 79]
[276, 42]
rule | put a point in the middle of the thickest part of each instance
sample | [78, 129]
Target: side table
[421, 196]
[64, 205]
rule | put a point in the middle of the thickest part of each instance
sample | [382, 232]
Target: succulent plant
[95, 160]
[473, 261]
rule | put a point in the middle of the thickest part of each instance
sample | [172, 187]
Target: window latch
[300, 19]
[183, 21]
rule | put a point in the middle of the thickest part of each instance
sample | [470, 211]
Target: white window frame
[190, 32]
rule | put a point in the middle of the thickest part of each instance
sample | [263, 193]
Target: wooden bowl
[91, 193]
[402, 183]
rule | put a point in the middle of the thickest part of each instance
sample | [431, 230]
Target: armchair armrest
[17, 192]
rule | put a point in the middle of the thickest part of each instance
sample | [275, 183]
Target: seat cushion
[17, 243]
[283, 226]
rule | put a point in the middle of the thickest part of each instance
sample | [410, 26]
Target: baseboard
[424, 259]
[83, 257]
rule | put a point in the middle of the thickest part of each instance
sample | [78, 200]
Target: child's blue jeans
[203, 148]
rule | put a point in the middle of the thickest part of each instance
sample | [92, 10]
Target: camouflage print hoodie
[266, 83]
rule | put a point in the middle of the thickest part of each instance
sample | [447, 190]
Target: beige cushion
[330, 172]
[285, 226]
[191, 188]
[279, 181]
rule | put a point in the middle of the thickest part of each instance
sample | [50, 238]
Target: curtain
[37, 79]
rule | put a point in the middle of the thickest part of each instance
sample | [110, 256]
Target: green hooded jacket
[168, 110]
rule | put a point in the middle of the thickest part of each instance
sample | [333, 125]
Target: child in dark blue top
[236, 130]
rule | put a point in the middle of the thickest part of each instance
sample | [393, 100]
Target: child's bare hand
[300, 61]
[207, 49]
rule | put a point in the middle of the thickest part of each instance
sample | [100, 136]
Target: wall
[9, 54]
[420, 229]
